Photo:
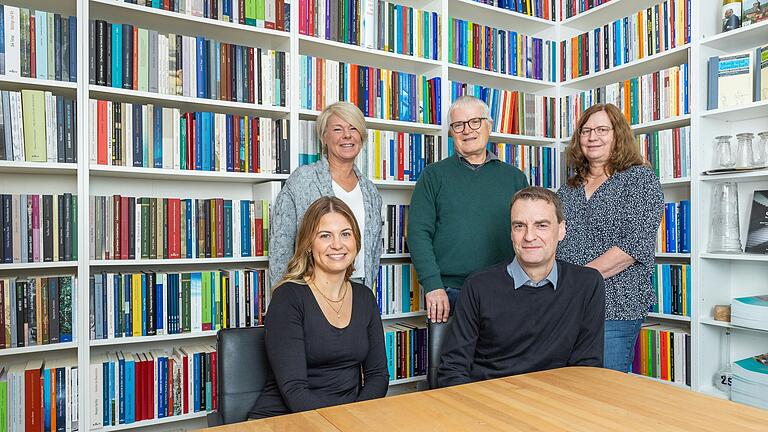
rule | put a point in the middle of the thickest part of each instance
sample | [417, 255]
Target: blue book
[105, 402]
[670, 217]
[47, 398]
[99, 317]
[117, 60]
[159, 325]
[434, 39]
[206, 141]
[392, 158]
[156, 4]
[245, 237]
[130, 394]
[161, 386]
[198, 141]
[143, 304]
[126, 330]
[228, 228]
[121, 390]
[41, 44]
[229, 156]
[666, 280]
[157, 137]
[390, 347]
[439, 101]
[196, 367]
[72, 49]
[241, 142]
[2, 40]
[685, 226]
[188, 216]
[111, 385]
[146, 136]
[61, 399]
[226, 10]
[663, 26]
[201, 67]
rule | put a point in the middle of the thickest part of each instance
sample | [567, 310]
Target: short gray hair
[345, 111]
[467, 101]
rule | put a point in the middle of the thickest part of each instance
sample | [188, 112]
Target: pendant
[338, 316]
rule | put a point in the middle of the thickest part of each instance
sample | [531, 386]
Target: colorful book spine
[397, 289]
[671, 283]
[36, 310]
[393, 232]
[663, 353]
[539, 164]
[570, 8]
[674, 235]
[379, 93]
[668, 151]
[275, 14]
[537, 8]
[406, 348]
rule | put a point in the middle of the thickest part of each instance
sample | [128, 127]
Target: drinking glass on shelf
[760, 149]
[724, 234]
[744, 156]
[724, 152]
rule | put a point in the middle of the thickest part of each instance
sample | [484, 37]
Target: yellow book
[224, 297]
[265, 228]
[385, 76]
[684, 279]
[520, 71]
[417, 33]
[377, 154]
[470, 44]
[33, 109]
[136, 303]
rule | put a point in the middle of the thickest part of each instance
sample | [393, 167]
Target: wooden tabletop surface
[569, 399]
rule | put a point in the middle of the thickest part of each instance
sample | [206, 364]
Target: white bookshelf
[38, 349]
[157, 338]
[377, 123]
[607, 12]
[471, 75]
[16, 83]
[37, 168]
[672, 383]
[669, 317]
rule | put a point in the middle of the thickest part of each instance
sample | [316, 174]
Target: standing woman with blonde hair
[613, 205]
[342, 132]
[324, 337]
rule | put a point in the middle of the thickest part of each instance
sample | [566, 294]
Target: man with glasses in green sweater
[459, 212]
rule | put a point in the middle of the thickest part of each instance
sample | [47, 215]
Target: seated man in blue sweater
[531, 314]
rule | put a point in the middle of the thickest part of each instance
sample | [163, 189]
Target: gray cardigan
[303, 187]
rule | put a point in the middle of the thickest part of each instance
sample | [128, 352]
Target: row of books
[397, 289]
[37, 126]
[36, 311]
[663, 353]
[514, 112]
[138, 135]
[538, 8]
[503, 51]
[37, 44]
[156, 303]
[570, 8]
[538, 163]
[650, 31]
[656, 96]
[671, 283]
[406, 348]
[668, 151]
[674, 234]
[379, 93]
[38, 228]
[129, 387]
[387, 155]
[737, 79]
[381, 25]
[269, 14]
[171, 228]
[394, 231]
[39, 396]
[129, 57]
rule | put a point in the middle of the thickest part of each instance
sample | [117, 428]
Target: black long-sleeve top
[315, 364]
[500, 331]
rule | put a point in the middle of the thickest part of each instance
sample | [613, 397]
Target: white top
[354, 199]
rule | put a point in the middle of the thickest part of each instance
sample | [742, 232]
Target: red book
[214, 379]
[241, 8]
[311, 20]
[101, 135]
[124, 228]
[251, 84]
[280, 15]
[169, 387]
[259, 230]
[318, 86]
[33, 400]
[676, 152]
[136, 58]
[185, 384]
[174, 228]
[32, 50]
[663, 351]
[150, 395]
[219, 227]
[167, 4]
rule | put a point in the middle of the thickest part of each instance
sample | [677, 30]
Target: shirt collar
[520, 277]
[489, 156]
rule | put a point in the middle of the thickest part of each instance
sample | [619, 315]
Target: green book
[186, 286]
[145, 224]
[450, 41]
[250, 12]
[143, 58]
[33, 108]
[259, 7]
[206, 300]
[51, 46]
[3, 398]
[182, 144]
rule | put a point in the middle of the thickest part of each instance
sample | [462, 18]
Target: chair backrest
[242, 371]
[436, 334]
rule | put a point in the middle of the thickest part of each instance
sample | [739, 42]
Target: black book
[60, 226]
[233, 73]
[57, 46]
[30, 255]
[60, 127]
[117, 143]
[757, 234]
[391, 220]
[7, 228]
[281, 72]
[108, 55]
[21, 311]
[179, 63]
[151, 304]
[101, 53]
[92, 36]
[127, 56]
[138, 149]
[70, 151]
[259, 90]
[286, 145]
[31, 312]
[206, 227]
[131, 228]
[92, 305]
[343, 80]
[67, 226]
[53, 309]
[47, 228]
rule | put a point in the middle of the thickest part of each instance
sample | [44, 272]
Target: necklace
[331, 302]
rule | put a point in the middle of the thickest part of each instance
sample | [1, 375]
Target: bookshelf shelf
[39, 265]
[408, 380]
[157, 338]
[190, 25]
[37, 168]
[669, 317]
[495, 79]
[604, 13]
[747, 176]
[169, 174]
[669, 58]
[38, 349]
[678, 182]
[395, 256]
[673, 255]
[715, 323]
[497, 137]
[377, 123]
[390, 317]
[185, 103]
[169, 262]
[18, 83]
[754, 110]
[159, 421]
[675, 384]
[735, 257]
[740, 39]
[394, 184]
[656, 125]
[497, 17]
[317, 47]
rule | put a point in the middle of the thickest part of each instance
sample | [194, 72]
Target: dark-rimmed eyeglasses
[599, 131]
[473, 123]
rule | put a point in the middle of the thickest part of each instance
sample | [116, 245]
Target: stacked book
[750, 381]
[750, 312]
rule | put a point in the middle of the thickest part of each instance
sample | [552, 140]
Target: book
[757, 233]
[734, 79]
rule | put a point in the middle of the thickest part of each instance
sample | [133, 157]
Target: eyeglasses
[599, 131]
[473, 123]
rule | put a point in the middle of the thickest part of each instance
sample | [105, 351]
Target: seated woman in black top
[324, 337]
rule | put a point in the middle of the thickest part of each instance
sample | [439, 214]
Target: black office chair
[241, 371]
[435, 335]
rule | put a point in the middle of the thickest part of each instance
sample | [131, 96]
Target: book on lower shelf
[663, 353]
[128, 387]
[159, 303]
[394, 231]
[37, 310]
[539, 164]
[671, 284]
[406, 348]
[751, 312]
[757, 234]
[674, 234]
[750, 381]
[127, 228]
[668, 151]
[39, 395]
[397, 289]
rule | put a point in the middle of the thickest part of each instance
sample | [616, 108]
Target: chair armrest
[214, 419]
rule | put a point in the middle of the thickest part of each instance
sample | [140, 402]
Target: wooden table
[569, 399]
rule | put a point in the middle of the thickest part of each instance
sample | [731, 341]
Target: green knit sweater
[458, 222]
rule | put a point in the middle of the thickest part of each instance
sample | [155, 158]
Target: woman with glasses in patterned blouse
[613, 206]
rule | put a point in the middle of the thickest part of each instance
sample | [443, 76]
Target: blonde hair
[302, 264]
[345, 111]
[624, 153]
